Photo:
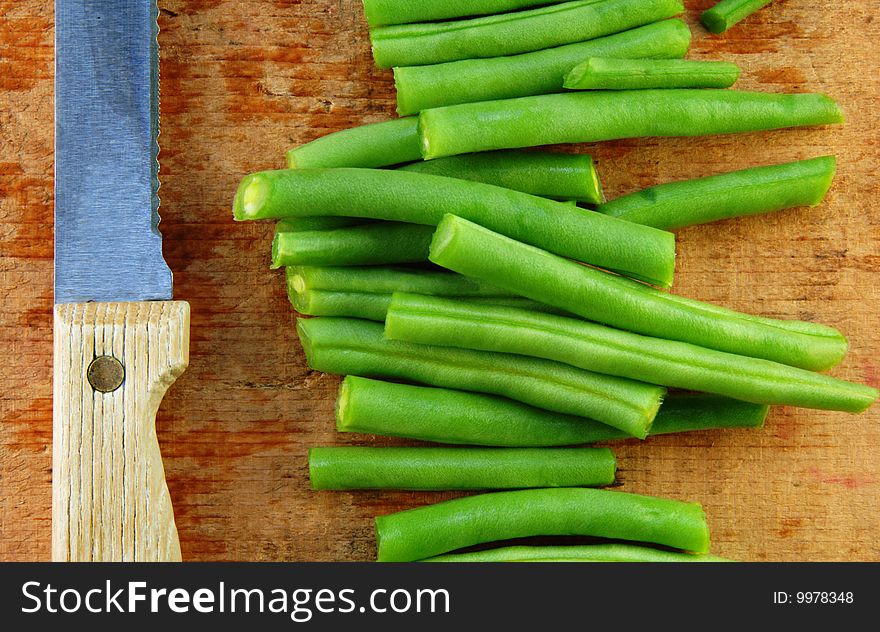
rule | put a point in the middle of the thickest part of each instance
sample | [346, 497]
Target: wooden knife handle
[110, 501]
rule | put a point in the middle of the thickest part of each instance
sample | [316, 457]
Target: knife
[119, 341]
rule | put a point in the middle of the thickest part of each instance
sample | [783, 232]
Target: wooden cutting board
[242, 81]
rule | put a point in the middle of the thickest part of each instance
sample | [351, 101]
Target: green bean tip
[445, 233]
[760, 416]
[305, 340]
[714, 22]
[300, 301]
[424, 139]
[574, 76]
[297, 292]
[342, 399]
[830, 164]
[251, 195]
[276, 248]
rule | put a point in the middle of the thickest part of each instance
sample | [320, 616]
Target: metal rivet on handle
[105, 374]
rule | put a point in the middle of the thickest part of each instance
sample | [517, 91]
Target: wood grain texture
[244, 80]
[110, 501]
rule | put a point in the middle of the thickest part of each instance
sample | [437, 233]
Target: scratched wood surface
[242, 81]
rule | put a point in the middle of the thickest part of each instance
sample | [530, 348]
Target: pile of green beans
[733, 194]
[419, 198]
[728, 12]
[444, 415]
[460, 468]
[521, 325]
[425, 532]
[541, 72]
[447, 322]
[358, 347]
[384, 12]
[586, 117]
[583, 553]
[475, 251]
[599, 73]
[513, 33]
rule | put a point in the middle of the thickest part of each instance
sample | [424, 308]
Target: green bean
[513, 33]
[460, 468]
[365, 291]
[367, 244]
[583, 553]
[728, 12]
[318, 222]
[584, 117]
[387, 280]
[445, 322]
[384, 12]
[423, 87]
[599, 73]
[565, 177]
[458, 417]
[427, 531]
[746, 192]
[545, 174]
[346, 304]
[477, 252]
[375, 145]
[358, 347]
[418, 198]
[568, 177]
[374, 306]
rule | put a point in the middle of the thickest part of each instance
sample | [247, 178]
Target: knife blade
[119, 341]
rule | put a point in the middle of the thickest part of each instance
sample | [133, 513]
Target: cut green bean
[583, 553]
[374, 145]
[734, 194]
[446, 322]
[513, 33]
[365, 291]
[545, 174]
[600, 73]
[344, 304]
[443, 415]
[368, 244]
[460, 468]
[358, 347]
[318, 222]
[541, 72]
[375, 306]
[631, 249]
[384, 12]
[387, 280]
[428, 531]
[584, 117]
[728, 12]
[568, 177]
[477, 252]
